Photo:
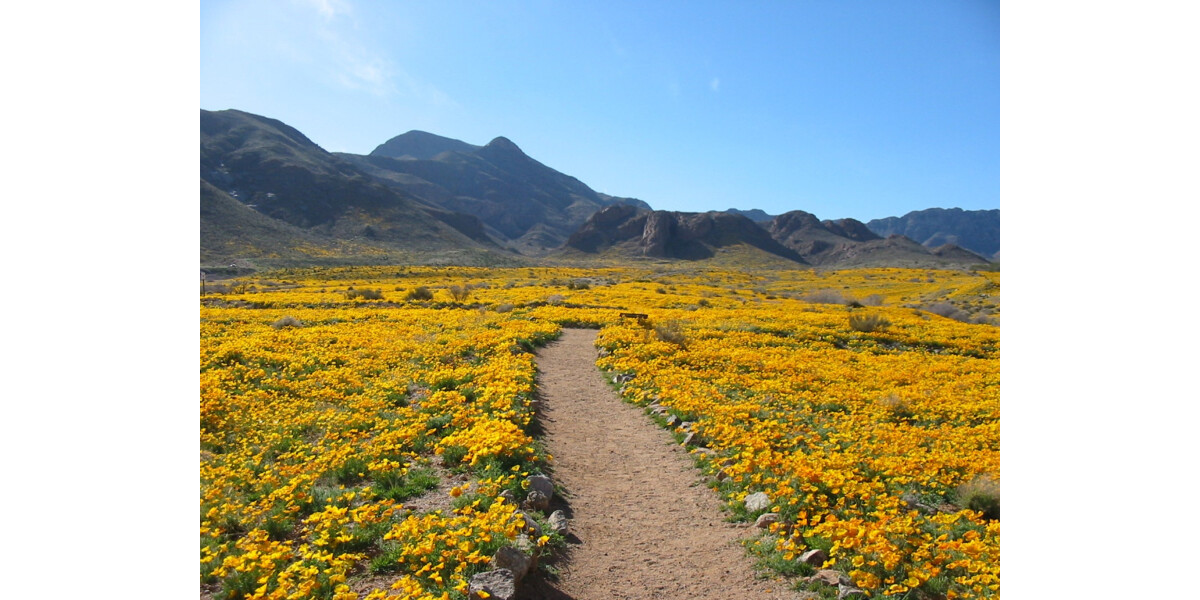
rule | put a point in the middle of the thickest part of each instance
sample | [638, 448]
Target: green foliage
[402, 487]
[453, 455]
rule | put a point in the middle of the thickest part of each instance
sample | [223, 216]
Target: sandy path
[642, 523]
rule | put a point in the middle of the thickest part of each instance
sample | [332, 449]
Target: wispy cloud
[358, 65]
[715, 84]
[330, 8]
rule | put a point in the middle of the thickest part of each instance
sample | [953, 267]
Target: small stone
[846, 591]
[689, 439]
[531, 526]
[542, 484]
[814, 557]
[536, 501]
[512, 559]
[722, 475]
[509, 497]
[757, 501]
[764, 520]
[500, 584]
[672, 420]
[558, 522]
[831, 577]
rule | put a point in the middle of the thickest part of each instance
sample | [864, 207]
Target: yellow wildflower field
[331, 398]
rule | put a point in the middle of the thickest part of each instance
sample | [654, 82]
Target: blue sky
[842, 109]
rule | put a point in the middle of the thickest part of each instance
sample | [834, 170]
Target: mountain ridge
[266, 188]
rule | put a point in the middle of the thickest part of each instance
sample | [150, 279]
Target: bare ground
[643, 525]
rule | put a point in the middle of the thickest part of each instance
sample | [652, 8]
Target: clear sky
[842, 109]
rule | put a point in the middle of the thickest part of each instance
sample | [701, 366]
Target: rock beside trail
[513, 560]
[843, 582]
[831, 577]
[814, 557]
[499, 584]
[531, 526]
[847, 591]
[764, 520]
[537, 501]
[558, 522]
[757, 501]
[541, 483]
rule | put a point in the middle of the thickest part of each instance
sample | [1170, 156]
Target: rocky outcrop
[975, 230]
[666, 234]
[850, 243]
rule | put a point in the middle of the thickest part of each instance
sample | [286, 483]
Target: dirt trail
[642, 523]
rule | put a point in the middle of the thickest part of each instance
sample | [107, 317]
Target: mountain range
[269, 197]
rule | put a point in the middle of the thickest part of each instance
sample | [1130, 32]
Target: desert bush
[459, 293]
[367, 294]
[671, 333]
[419, 293]
[982, 319]
[981, 494]
[503, 308]
[868, 323]
[898, 408]
[824, 297]
[288, 321]
[555, 299]
[872, 300]
[577, 284]
[945, 309]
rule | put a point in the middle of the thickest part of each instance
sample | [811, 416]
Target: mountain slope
[280, 174]
[974, 230]
[522, 202]
[848, 243]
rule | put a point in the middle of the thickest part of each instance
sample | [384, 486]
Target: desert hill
[272, 196]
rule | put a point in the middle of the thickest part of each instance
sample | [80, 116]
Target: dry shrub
[899, 408]
[459, 293]
[376, 294]
[503, 308]
[671, 333]
[419, 293]
[824, 297]
[949, 311]
[287, 321]
[868, 323]
[981, 494]
[872, 300]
